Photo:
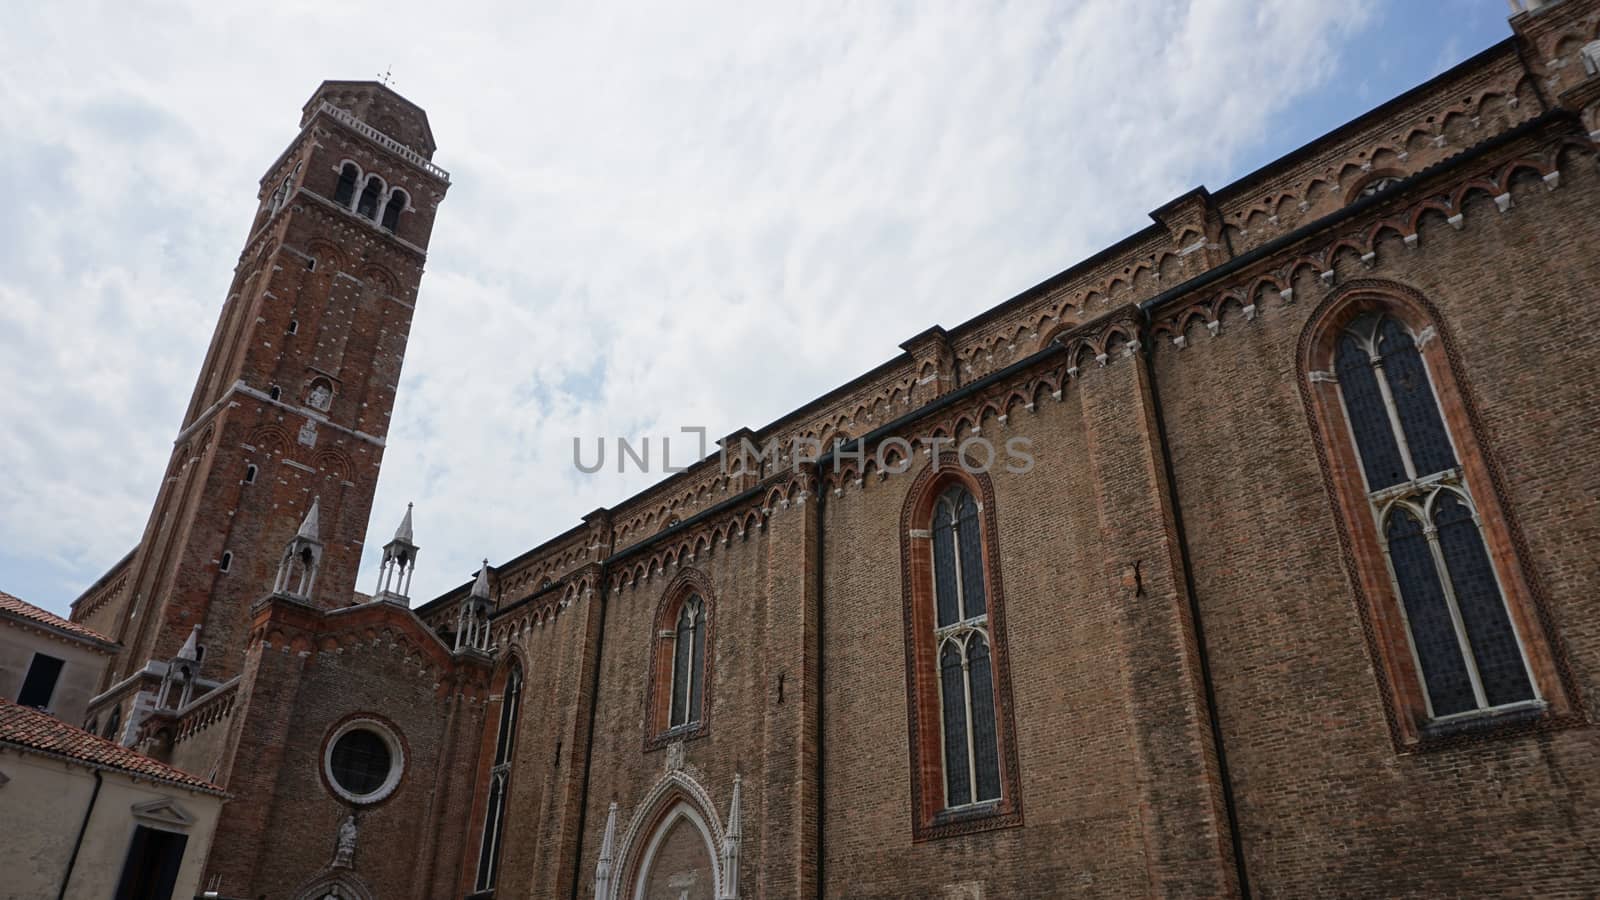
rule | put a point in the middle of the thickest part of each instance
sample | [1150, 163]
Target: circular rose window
[363, 761]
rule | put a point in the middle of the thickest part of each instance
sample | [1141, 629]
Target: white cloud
[673, 215]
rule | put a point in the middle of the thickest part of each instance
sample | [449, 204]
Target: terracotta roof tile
[19, 607]
[34, 730]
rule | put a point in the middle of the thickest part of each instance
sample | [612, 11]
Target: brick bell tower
[292, 404]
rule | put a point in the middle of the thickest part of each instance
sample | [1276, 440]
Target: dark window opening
[499, 777]
[250, 474]
[151, 871]
[40, 683]
[346, 191]
[688, 664]
[397, 205]
[227, 561]
[368, 206]
[274, 392]
[360, 762]
[294, 326]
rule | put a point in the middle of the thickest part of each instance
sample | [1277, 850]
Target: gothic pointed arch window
[964, 772]
[680, 665]
[1458, 634]
[492, 836]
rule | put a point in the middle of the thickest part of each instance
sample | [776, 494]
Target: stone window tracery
[1466, 645]
[363, 760]
[966, 680]
[679, 703]
[964, 772]
[499, 780]
[1456, 628]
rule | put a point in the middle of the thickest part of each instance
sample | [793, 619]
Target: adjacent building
[47, 662]
[86, 817]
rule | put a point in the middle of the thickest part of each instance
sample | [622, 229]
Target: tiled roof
[31, 729]
[22, 608]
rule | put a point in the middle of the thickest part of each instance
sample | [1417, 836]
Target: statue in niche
[321, 396]
[344, 854]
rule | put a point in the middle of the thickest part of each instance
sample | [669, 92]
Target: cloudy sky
[685, 214]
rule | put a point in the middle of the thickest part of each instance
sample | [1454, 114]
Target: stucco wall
[52, 796]
[80, 671]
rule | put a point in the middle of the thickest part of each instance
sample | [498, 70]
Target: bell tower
[291, 408]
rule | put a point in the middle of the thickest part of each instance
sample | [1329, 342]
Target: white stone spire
[302, 558]
[608, 852]
[309, 527]
[403, 533]
[731, 839]
[472, 623]
[480, 588]
[191, 647]
[399, 563]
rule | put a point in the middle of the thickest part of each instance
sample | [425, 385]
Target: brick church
[1253, 555]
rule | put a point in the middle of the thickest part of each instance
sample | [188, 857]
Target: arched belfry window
[680, 666]
[494, 816]
[964, 772]
[345, 193]
[1458, 634]
[393, 208]
[370, 195]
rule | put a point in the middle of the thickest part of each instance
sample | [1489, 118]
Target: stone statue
[343, 856]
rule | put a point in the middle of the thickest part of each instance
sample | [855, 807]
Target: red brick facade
[1202, 685]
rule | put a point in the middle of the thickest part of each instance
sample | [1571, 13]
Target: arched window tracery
[1462, 636]
[492, 837]
[1456, 628]
[680, 667]
[964, 773]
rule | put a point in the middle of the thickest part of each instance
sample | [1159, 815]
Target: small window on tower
[368, 206]
[227, 561]
[274, 392]
[346, 191]
[393, 209]
[294, 326]
[250, 474]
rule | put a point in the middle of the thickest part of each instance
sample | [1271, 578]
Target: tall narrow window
[1462, 636]
[494, 817]
[1459, 639]
[393, 209]
[370, 195]
[963, 772]
[966, 686]
[680, 662]
[345, 193]
[688, 654]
